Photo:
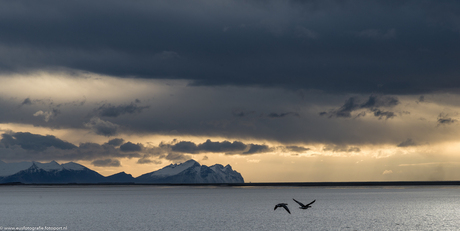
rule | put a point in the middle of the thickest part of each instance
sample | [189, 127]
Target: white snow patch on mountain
[220, 170]
[73, 166]
[174, 169]
[53, 165]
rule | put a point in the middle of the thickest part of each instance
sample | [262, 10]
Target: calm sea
[228, 208]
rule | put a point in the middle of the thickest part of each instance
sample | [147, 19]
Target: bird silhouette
[302, 206]
[284, 205]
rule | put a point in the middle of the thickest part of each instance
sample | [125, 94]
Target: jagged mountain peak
[222, 168]
[192, 172]
[174, 169]
[187, 163]
[52, 165]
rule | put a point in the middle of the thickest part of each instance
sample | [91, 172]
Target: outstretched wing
[311, 202]
[285, 207]
[300, 203]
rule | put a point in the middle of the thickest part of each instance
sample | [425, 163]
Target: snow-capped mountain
[191, 172]
[7, 169]
[52, 172]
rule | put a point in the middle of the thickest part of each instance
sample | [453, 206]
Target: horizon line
[262, 184]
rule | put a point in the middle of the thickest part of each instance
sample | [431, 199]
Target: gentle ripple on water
[230, 208]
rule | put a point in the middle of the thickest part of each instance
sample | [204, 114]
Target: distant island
[189, 172]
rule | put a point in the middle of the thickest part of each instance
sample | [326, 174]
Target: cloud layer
[16, 146]
[353, 47]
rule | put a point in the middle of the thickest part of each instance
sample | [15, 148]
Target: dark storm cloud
[382, 101]
[445, 119]
[345, 110]
[131, 147]
[185, 146]
[102, 127]
[90, 151]
[407, 143]
[34, 142]
[207, 112]
[371, 105]
[376, 46]
[116, 142]
[177, 157]
[224, 146]
[144, 161]
[26, 101]
[235, 147]
[383, 114]
[257, 148]
[281, 115]
[27, 146]
[275, 115]
[209, 146]
[109, 110]
[341, 148]
[106, 163]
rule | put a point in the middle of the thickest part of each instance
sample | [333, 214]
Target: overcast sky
[281, 90]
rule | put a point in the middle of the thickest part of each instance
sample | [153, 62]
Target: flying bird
[284, 205]
[302, 206]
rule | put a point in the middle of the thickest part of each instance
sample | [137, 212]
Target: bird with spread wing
[302, 206]
[284, 205]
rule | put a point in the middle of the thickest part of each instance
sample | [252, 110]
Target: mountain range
[189, 172]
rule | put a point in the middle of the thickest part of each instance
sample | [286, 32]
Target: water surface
[230, 208]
